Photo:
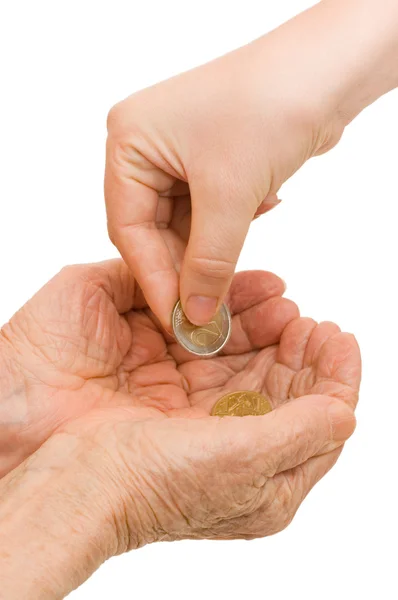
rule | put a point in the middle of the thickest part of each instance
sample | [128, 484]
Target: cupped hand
[87, 340]
[132, 455]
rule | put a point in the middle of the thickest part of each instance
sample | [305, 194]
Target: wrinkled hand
[87, 340]
[135, 457]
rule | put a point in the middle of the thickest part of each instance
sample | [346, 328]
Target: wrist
[54, 522]
[13, 406]
[68, 508]
[357, 53]
[11, 380]
[332, 60]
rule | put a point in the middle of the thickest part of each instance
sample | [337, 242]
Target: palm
[87, 340]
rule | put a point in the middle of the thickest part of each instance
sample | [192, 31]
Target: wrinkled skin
[94, 366]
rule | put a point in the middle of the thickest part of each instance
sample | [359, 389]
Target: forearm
[12, 397]
[55, 524]
[360, 51]
[13, 407]
[345, 55]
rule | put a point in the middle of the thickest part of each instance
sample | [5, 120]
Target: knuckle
[115, 117]
[286, 518]
[70, 271]
[213, 268]
[125, 116]
[113, 232]
[78, 275]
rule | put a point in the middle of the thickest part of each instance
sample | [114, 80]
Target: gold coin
[204, 340]
[241, 404]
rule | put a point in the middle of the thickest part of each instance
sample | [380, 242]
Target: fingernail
[266, 205]
[342, 421]
[200, 309]
[273, 201]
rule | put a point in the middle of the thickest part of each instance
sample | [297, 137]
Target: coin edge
[229, 318]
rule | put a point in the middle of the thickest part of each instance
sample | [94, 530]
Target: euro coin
[241, 404]
[203, 340]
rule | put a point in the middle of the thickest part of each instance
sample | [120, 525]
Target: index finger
[131, 211]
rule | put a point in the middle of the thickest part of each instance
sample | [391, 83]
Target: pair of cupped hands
[104, 419]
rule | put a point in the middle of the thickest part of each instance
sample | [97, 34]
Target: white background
[333, 239]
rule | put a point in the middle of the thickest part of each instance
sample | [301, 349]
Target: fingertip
[290, 308]
[340, 360]
[342, 420]
[249, 288]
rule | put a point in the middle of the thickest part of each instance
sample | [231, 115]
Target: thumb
[286, 437]
[220, 222]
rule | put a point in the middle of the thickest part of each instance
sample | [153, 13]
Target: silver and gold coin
[203, 340]
[241, 404]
